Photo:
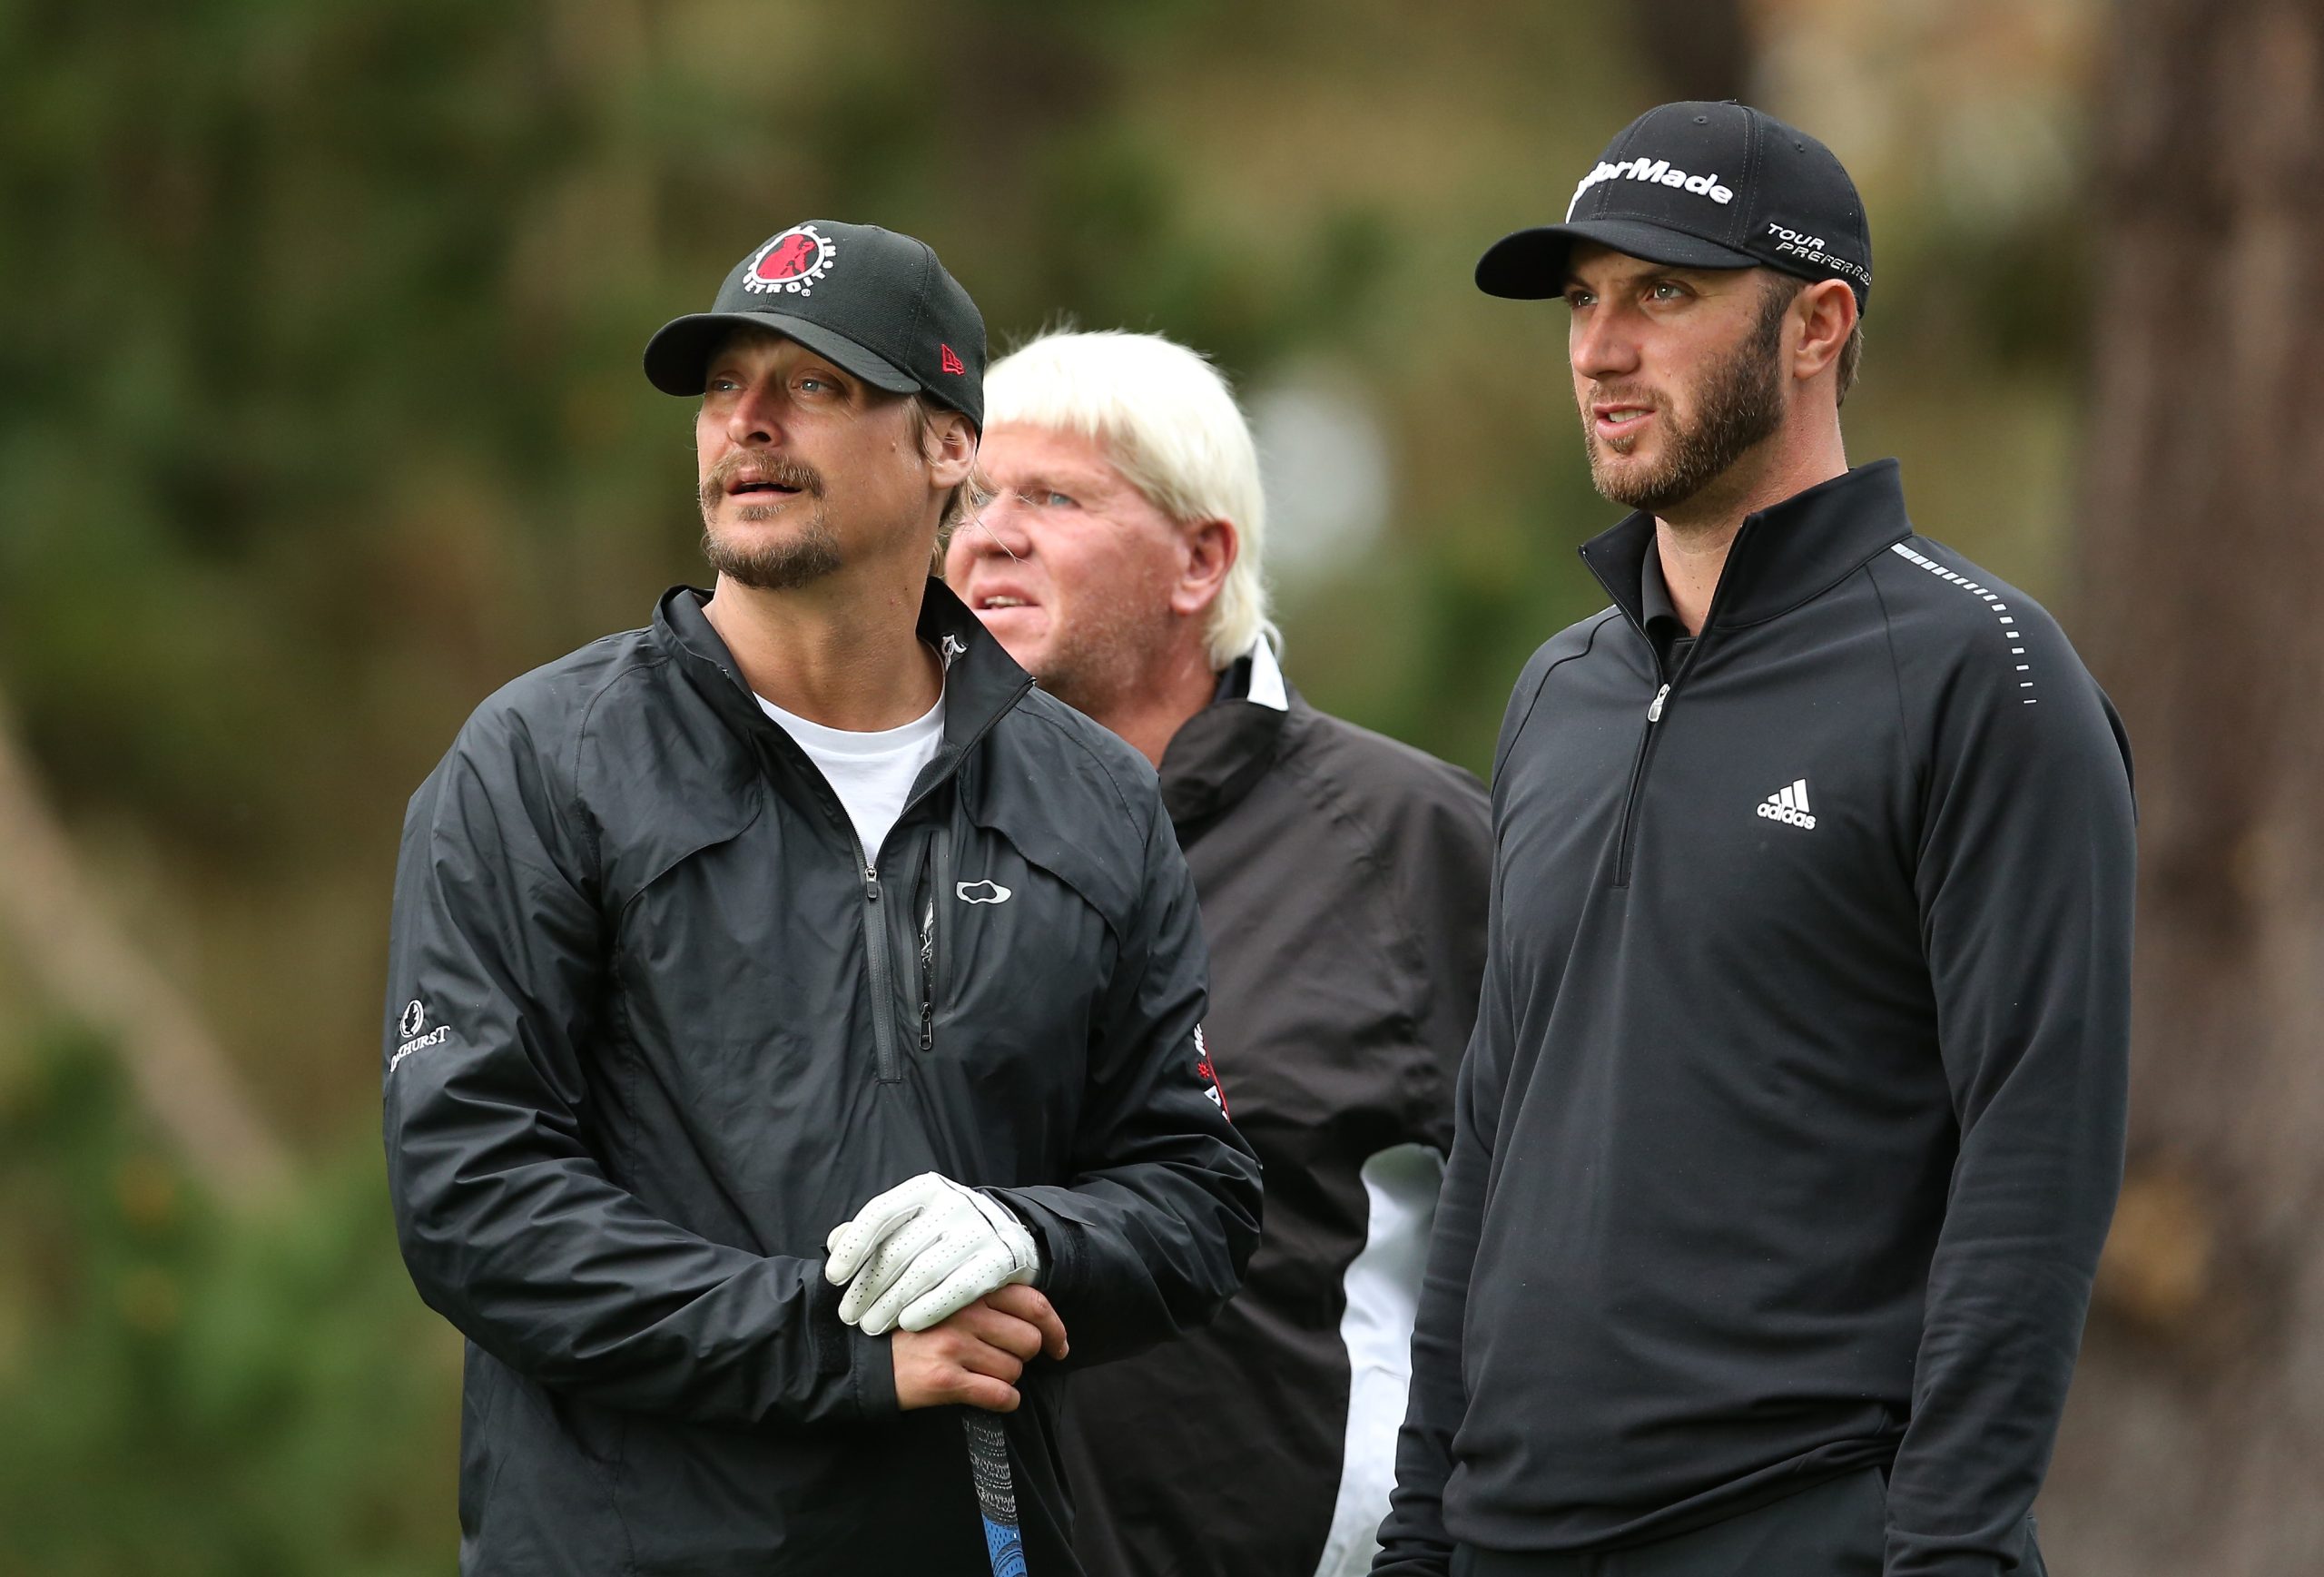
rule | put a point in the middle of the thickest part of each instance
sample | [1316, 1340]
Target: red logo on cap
[791, 263]
[794, 255]
[951, 363]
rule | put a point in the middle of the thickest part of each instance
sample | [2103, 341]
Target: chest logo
[1789, 806]
[985, 891]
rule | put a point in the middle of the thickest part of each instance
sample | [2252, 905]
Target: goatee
[783, 564]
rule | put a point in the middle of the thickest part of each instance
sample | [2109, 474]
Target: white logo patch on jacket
[1789, 806]
[409, 1024]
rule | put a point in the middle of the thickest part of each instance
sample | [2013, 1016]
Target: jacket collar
[1783, 555]
[1218, 755]
[981, 682]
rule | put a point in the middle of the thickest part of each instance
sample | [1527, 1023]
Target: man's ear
[1827, 313]
[949, 448]
[1209, 549]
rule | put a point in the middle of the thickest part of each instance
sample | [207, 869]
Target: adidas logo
[1790, 805]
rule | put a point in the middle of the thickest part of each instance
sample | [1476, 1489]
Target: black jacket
[654, 1030]
[1342, 885]
[1794, 1117]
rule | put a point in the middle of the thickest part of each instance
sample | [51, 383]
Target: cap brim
[1529, 266]
[677, 357]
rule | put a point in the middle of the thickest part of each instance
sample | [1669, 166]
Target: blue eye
[1055, 500]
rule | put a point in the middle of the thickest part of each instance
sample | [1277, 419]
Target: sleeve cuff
[1060, 1241]
[867, 1363]
[872, 1371]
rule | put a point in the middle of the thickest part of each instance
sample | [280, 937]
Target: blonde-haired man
[1342, 882]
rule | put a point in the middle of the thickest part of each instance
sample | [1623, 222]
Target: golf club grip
[996, 1493]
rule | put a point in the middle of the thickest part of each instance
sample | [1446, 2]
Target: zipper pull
[1654, 707]
[871, 877]
[928, 976]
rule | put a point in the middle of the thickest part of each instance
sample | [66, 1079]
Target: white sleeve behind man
[1376, 1327]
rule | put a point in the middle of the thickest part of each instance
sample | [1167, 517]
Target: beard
[782, 563]
[1738, 406]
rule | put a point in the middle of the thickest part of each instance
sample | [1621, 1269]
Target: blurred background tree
[320, 417]
[2193, 1445]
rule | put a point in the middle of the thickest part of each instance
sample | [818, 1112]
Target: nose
[1602, 343]
[1002, 532]
[754, 420]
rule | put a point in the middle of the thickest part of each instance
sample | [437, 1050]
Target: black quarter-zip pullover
[1793, 1120]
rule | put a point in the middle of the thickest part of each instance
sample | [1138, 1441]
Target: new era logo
[1789, 806]
[951, 362]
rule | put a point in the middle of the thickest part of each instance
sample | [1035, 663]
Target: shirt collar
[1255, 676]
[1661, 620]
[1782, 556]
[1220, 752]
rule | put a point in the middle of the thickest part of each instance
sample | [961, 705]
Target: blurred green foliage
[320, 417]
[189, 1393]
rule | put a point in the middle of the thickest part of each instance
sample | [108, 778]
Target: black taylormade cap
[1706, 186]
[876, 302]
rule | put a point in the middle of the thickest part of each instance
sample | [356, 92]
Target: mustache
[1618, 394]
[782, 472]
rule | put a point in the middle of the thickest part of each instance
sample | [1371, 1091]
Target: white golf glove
[922, 1252]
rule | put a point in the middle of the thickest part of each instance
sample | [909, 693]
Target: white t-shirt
[872, 773]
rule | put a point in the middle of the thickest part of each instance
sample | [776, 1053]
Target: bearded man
[1793, 1120]
[793, 1035]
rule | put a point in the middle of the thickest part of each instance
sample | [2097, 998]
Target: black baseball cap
[877, 303]
[1706, 186]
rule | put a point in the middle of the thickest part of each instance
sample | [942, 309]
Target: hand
[923, 1251]
[975, 1357]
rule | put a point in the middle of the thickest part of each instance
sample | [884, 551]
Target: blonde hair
[1169, 422]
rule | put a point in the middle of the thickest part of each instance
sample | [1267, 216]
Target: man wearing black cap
[1793, 1120]
[793, 1019]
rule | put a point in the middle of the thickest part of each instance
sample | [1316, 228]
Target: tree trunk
[83, 962]
[2195, 1438]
